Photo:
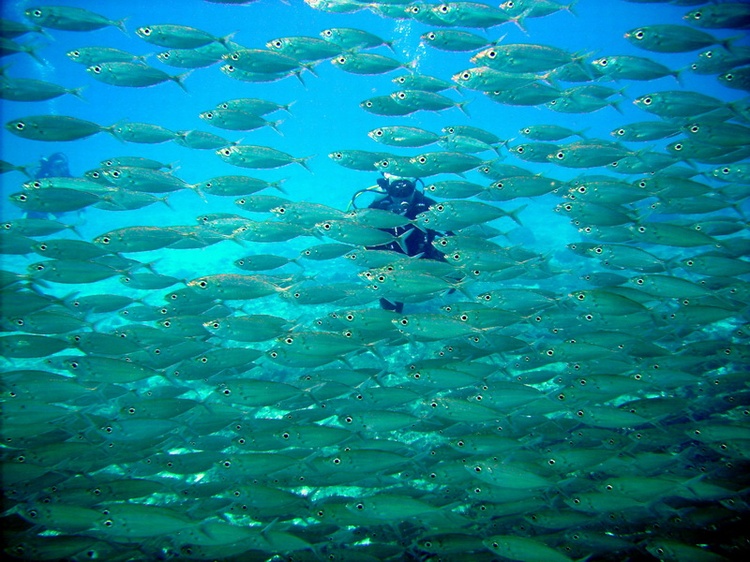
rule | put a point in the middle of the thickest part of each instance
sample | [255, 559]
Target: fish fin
[513, 215]
[120, 24]
[310, 66]
[571, 8]
[728, 44]
[31, 51]
[179, 79]
[303, 162]
[520, 20]
[401, 240]
[298, 74]
[275, 126]
[226, 38]
[77, 92]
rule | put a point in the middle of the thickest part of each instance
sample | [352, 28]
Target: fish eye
[726, 171]
[695, 129]
[440, 208]
[550, 352]
[22, 197]
[208, 115]
[620, 132]
[97, 69]
[227, 152]
[560, 155]
[229, 68]
[641, 229]
[146, 30]
[728, 77]
[378, 132]
[431, 36]
[360, 506]
[520, 149]
[116, 173]
[20, 126]
[39, 267]
[278, 43]
[328, 33]
[639, 34]
[603, 62]
[465, 75]
[401, 95]
[697, 15]
[639, 281]
[341, 60]
[414, 9]
[336, 461]
[647, 100]
[203, 284]
[678, 146]
[368, 104]
[579, 413]
[422, 160]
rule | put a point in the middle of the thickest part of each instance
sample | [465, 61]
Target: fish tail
[616, 106]
[678, 75]
[303, 162]
[196, 187]
[389, 44]
[120, 24]
[277, 185]
[165, 200]
[462, 106]
[77, 92]
[275, 126]
[31, 51]
[581, 133]
[520, 21]
[401, 240]
[298, 74]
[179, 79]
[311, 67]
[513, 215]
[224, 40]
[571, 8]
[728, 44]
[290, 104]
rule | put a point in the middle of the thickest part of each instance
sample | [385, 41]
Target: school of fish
[585, 402]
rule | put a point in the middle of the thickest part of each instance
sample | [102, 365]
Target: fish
[286, 375]
[53, 128]
[255, 156]
[133, 75]
[454, 40]
[69, 18]
[236, 120]
[178, 36]
[19, 89]
[366, 63]
[670, 38]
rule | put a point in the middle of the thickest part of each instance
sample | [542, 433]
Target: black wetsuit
[418, 243]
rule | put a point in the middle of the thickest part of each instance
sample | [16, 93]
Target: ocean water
[610, 429]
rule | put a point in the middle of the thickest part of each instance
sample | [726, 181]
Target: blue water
[326, 117]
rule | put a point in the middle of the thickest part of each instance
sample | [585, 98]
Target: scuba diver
[403, 198]
[52, 166]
